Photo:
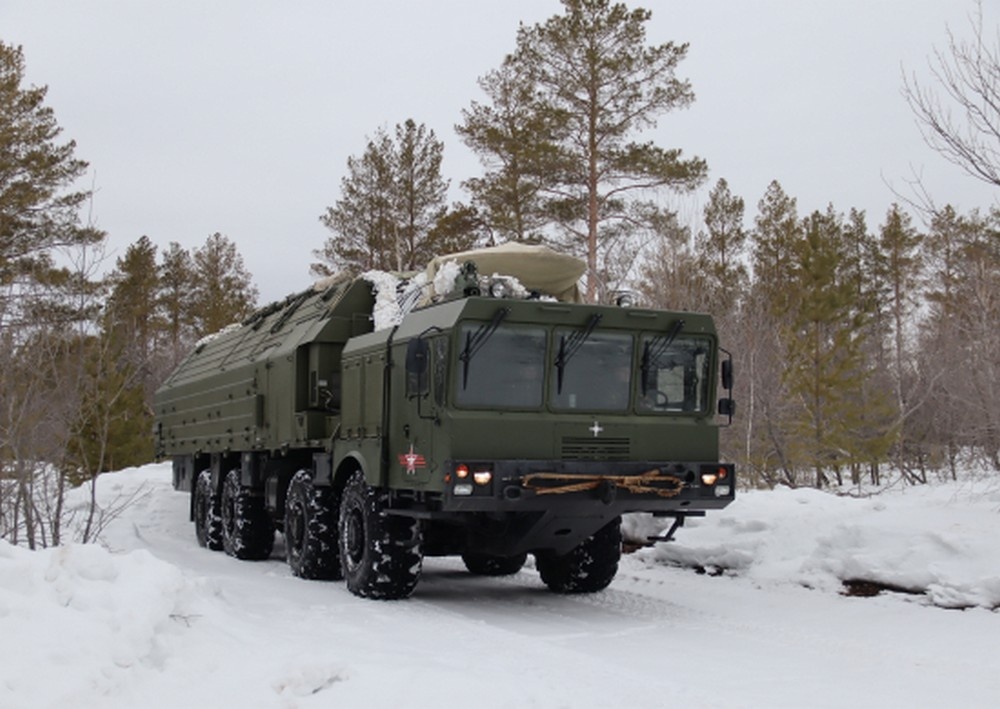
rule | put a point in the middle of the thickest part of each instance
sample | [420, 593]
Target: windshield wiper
[656, 347]
[568, 348]
[474, 341]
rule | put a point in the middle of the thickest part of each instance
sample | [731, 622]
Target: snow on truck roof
[526, 269]
[536, 267]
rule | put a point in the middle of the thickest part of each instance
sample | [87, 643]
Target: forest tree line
[859, 348]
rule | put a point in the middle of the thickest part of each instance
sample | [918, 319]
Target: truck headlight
[711, 476]
[481, 474]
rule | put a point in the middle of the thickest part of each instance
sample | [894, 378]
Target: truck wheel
[489, 565]
[207, 522]
[311, 547]
[247, 530]
[380, 553]
[589, 567]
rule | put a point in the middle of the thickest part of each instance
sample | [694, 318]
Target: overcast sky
[238, 116]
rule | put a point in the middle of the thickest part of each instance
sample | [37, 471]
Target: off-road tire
[247, 530]
[379, 553]
[207, 521]
[490, 565]
[311, 516]
[589, 567]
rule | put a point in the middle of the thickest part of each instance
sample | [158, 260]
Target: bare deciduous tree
[959, 112]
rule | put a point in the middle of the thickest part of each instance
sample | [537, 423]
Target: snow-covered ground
[152, 620]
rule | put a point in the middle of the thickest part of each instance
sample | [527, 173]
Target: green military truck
[476, 409]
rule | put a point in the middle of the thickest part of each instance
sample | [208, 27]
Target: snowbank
[78, 619]
[937, 541]
[163, 623]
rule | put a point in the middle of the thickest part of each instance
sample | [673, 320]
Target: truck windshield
[599, 376]
[508, 370]
[675, 379]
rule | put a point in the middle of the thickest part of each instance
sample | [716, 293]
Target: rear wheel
[247, 530]
[207, 521]
[589, 567]
[311, 547]
[490, 565]
[379, 553]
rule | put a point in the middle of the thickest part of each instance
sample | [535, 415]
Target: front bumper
[586, 487]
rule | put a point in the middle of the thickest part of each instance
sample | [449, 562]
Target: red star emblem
[412, 461]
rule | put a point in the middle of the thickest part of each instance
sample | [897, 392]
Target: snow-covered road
[161, 622]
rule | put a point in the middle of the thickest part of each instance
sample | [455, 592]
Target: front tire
[247, 530]
[379, 553]
[589, 567]
[207, 520]
[311, 546]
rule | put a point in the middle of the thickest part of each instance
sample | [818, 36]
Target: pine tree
[864, 267]
[124, 367]
[460, 228]
[720, 249]
[948, 232]
[363, 220]
[130, 311]
[39, 210]
[592, 83]
[391, 200]
[176, 290]
[511, 135]
[770, 411]
[421, 193]
[776, 231]
[223, 292]
[825, 367]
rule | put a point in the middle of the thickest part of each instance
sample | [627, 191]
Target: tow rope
[646, 483]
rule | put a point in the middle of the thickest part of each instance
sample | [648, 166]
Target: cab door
[414, 458]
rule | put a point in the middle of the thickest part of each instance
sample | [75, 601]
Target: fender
[357, 460]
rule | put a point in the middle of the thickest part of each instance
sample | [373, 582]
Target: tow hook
[678, 523]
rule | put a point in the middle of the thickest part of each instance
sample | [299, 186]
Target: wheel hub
[296, 530]
[355, 537]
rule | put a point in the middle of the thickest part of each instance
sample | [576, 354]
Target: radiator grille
[595, 448]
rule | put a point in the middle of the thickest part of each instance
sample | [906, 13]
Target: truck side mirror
[727, 406]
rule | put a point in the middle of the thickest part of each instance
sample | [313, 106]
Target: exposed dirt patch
[866, 589]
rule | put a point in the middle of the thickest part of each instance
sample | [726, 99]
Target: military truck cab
[490, 417]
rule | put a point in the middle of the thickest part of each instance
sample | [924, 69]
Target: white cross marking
[596, 428]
